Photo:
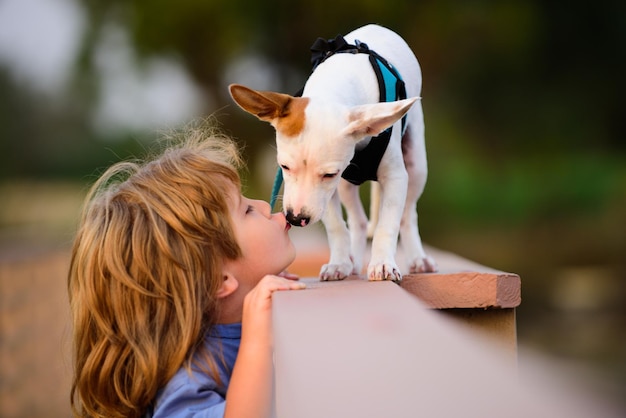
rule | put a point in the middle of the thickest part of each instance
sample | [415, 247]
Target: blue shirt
[196, 394]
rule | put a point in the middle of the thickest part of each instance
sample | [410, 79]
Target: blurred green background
[524, 111]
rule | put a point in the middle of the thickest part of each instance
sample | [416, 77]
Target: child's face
[263, 239]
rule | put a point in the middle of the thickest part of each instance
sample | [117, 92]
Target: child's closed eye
[249, 209]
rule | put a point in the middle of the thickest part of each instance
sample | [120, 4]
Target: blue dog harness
[364, 164]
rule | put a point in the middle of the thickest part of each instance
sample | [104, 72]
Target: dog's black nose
[299, 220]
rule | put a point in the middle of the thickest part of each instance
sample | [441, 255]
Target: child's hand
[250, 390]
[257, 308]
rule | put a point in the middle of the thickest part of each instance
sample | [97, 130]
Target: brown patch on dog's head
[292, 118]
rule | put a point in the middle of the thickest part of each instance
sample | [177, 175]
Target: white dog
[349, 99]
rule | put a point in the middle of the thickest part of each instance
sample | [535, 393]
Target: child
[170, 287]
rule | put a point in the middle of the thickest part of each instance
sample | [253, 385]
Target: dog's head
[315, 141]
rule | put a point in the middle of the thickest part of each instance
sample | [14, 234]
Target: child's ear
[229, 285]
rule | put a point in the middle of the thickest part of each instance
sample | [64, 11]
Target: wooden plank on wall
[461, 283]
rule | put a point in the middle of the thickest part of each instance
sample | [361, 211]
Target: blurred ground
[34, 335]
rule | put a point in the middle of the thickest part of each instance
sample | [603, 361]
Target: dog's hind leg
[374, 208]
[357, 222]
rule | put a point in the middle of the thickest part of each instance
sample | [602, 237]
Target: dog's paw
[423, 265]
[384, 271]
[332, 272]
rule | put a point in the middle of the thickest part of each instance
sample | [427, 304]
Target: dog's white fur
[316, 137]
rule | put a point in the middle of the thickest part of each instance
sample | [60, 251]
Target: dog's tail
[374, 208]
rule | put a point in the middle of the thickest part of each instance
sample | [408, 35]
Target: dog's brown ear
[372, 119]
[284, 112]
[265, 105]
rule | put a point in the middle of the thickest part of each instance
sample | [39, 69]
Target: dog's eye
[330, 175]
[284, 167]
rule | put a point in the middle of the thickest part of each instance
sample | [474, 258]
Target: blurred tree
[536, 71]
[207, 34]
[502, 80]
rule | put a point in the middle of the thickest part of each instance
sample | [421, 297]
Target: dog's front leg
[340, 265]
[383, 265]
[357, 222]
[414, 156]
[418, 260]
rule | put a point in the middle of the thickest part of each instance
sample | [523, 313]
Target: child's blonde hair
[145, 268]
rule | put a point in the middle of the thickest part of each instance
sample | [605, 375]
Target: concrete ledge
[355, 348]
[479, 297]
[364, 349]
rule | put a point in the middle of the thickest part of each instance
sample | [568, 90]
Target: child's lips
[287, 226]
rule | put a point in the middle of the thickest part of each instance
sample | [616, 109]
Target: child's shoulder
[186, 391]
[229, 331]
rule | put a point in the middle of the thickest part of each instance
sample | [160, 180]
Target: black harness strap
[364, 164]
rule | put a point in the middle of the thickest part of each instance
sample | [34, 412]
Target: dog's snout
[299, 220]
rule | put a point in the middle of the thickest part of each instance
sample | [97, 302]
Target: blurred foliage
[518, 74]
[501, 79]
[522, 99]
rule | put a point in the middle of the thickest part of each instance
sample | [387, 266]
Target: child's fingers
[273, 283]
[270, 284]
[260, 298]
[289, 276]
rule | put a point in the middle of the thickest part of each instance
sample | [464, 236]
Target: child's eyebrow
[239, 200]
[236, 200]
